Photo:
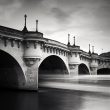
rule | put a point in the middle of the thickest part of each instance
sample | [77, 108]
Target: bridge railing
[10, 32]
[104, 58]
[53, 42]
[85, 54]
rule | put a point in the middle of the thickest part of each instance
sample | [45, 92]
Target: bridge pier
[94, 64]
[93, 70]
[32, 73]
[73, 69]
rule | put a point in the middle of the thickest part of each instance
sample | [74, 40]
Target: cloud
[8, 8]
[62, 16]
[66, 12]
[31, 3]
[91, 14]
[6, 2]
[88, 19]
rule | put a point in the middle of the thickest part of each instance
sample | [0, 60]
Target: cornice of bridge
[10, 33]
[99, 58]
[45, 41]
[104, 59]
[14, 34]
[56, 44]
[95, 56]
[85, 54]
[33, 35]
[10, 37]
[74, 49]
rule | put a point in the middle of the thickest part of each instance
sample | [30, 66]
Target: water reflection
[18, 100]
[51, 99]
[59, 100]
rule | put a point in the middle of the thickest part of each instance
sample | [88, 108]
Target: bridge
[27, 55]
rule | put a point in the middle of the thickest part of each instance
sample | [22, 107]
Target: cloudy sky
[88, 20]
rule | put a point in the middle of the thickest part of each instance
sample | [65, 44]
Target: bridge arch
[11, 73]
[53, 65]
[83, 69]
[103, 71]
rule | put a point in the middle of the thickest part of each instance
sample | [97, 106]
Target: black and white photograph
[54, 54]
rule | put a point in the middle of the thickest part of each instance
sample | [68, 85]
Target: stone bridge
[25, 55]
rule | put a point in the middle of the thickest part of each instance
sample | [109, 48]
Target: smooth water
[52, 99]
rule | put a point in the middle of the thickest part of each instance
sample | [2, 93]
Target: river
[53, 99]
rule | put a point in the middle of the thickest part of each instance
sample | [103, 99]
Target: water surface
[52, 99]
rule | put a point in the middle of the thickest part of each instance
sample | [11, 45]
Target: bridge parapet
[104, 59]
[32, 34]
[85, 55]
[55, 45]
[10, 33]
[11, 36]
[104, 62]
[103, 66]
[36, 46]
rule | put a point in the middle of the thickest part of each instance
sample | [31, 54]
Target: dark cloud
[6, 2]
[31, 3]
[62, 16]
[24, 2]
[83, 10]
[66, 10]
[102, 15]
[8, 8]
